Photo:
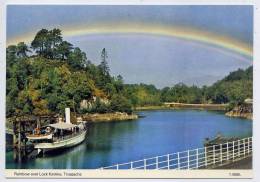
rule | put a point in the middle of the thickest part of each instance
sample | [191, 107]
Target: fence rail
[205, 157]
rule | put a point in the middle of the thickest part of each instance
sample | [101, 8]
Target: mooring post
[19, 135]
[14, 134]
[23, 139]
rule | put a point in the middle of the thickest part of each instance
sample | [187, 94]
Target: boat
[40, 134]
[218, 139]
[58, 135]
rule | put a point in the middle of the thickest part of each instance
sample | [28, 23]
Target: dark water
[159, 132]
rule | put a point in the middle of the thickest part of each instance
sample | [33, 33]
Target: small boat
[40, 134]
[58, 135]
[218, 139]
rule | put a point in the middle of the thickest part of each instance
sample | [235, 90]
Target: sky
[160, 45]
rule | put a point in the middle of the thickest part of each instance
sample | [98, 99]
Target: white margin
[256, 127]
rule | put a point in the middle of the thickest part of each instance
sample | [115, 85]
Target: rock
[243, 111]
[117, 116]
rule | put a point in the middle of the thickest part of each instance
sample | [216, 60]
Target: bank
[107, 117]
[241, 112]
[176, 105]
[244, 111]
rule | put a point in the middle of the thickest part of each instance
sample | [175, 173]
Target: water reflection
[160, 132]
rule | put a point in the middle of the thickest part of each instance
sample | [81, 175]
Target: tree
[104, 64]
[55, 37]
[11, 56]
[121, 104]
[46, 43]
[39, 42]
[77, 58]
[103, 69]
[22, 49]
[64, 49]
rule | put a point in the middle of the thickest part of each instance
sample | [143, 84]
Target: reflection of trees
[101, 135]
[92, 153]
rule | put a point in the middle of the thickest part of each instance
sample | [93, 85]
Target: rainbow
[180, 32]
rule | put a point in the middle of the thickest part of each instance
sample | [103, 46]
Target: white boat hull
[65, 143]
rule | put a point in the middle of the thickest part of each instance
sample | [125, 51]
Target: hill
[52, 74]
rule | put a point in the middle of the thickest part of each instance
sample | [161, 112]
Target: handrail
[208, 156]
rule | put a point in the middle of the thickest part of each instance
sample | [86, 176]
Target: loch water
[157, 133]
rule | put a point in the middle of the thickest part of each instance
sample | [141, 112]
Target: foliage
[234, 88]
[54, 74]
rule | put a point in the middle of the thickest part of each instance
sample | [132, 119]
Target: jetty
[18, 127]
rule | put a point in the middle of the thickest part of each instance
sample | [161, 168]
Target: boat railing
[60, 138]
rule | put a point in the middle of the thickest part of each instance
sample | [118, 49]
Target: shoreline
[210, 107]
[243, 111]
[175, 105]
[240, 115]
[109, 117]
[122, 116]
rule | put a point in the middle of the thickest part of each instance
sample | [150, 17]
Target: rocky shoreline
[244, 111]
[106, 117]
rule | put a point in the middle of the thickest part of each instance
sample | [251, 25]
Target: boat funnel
[67, 115]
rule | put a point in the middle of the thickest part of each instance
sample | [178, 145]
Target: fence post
[214, 154]
[178, 160]
[205, 153]
[238, 148]
[248, 145]
[233, 154]
[197, 155]
[221, 153]
[251, 144]
[243, 147]
[157, 162]
[168, 161]
[188, 159]
[244, 142]
[227, 152]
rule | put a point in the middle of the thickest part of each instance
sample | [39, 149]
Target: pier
[18, 127]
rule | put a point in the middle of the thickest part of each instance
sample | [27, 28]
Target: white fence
[206, 157]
